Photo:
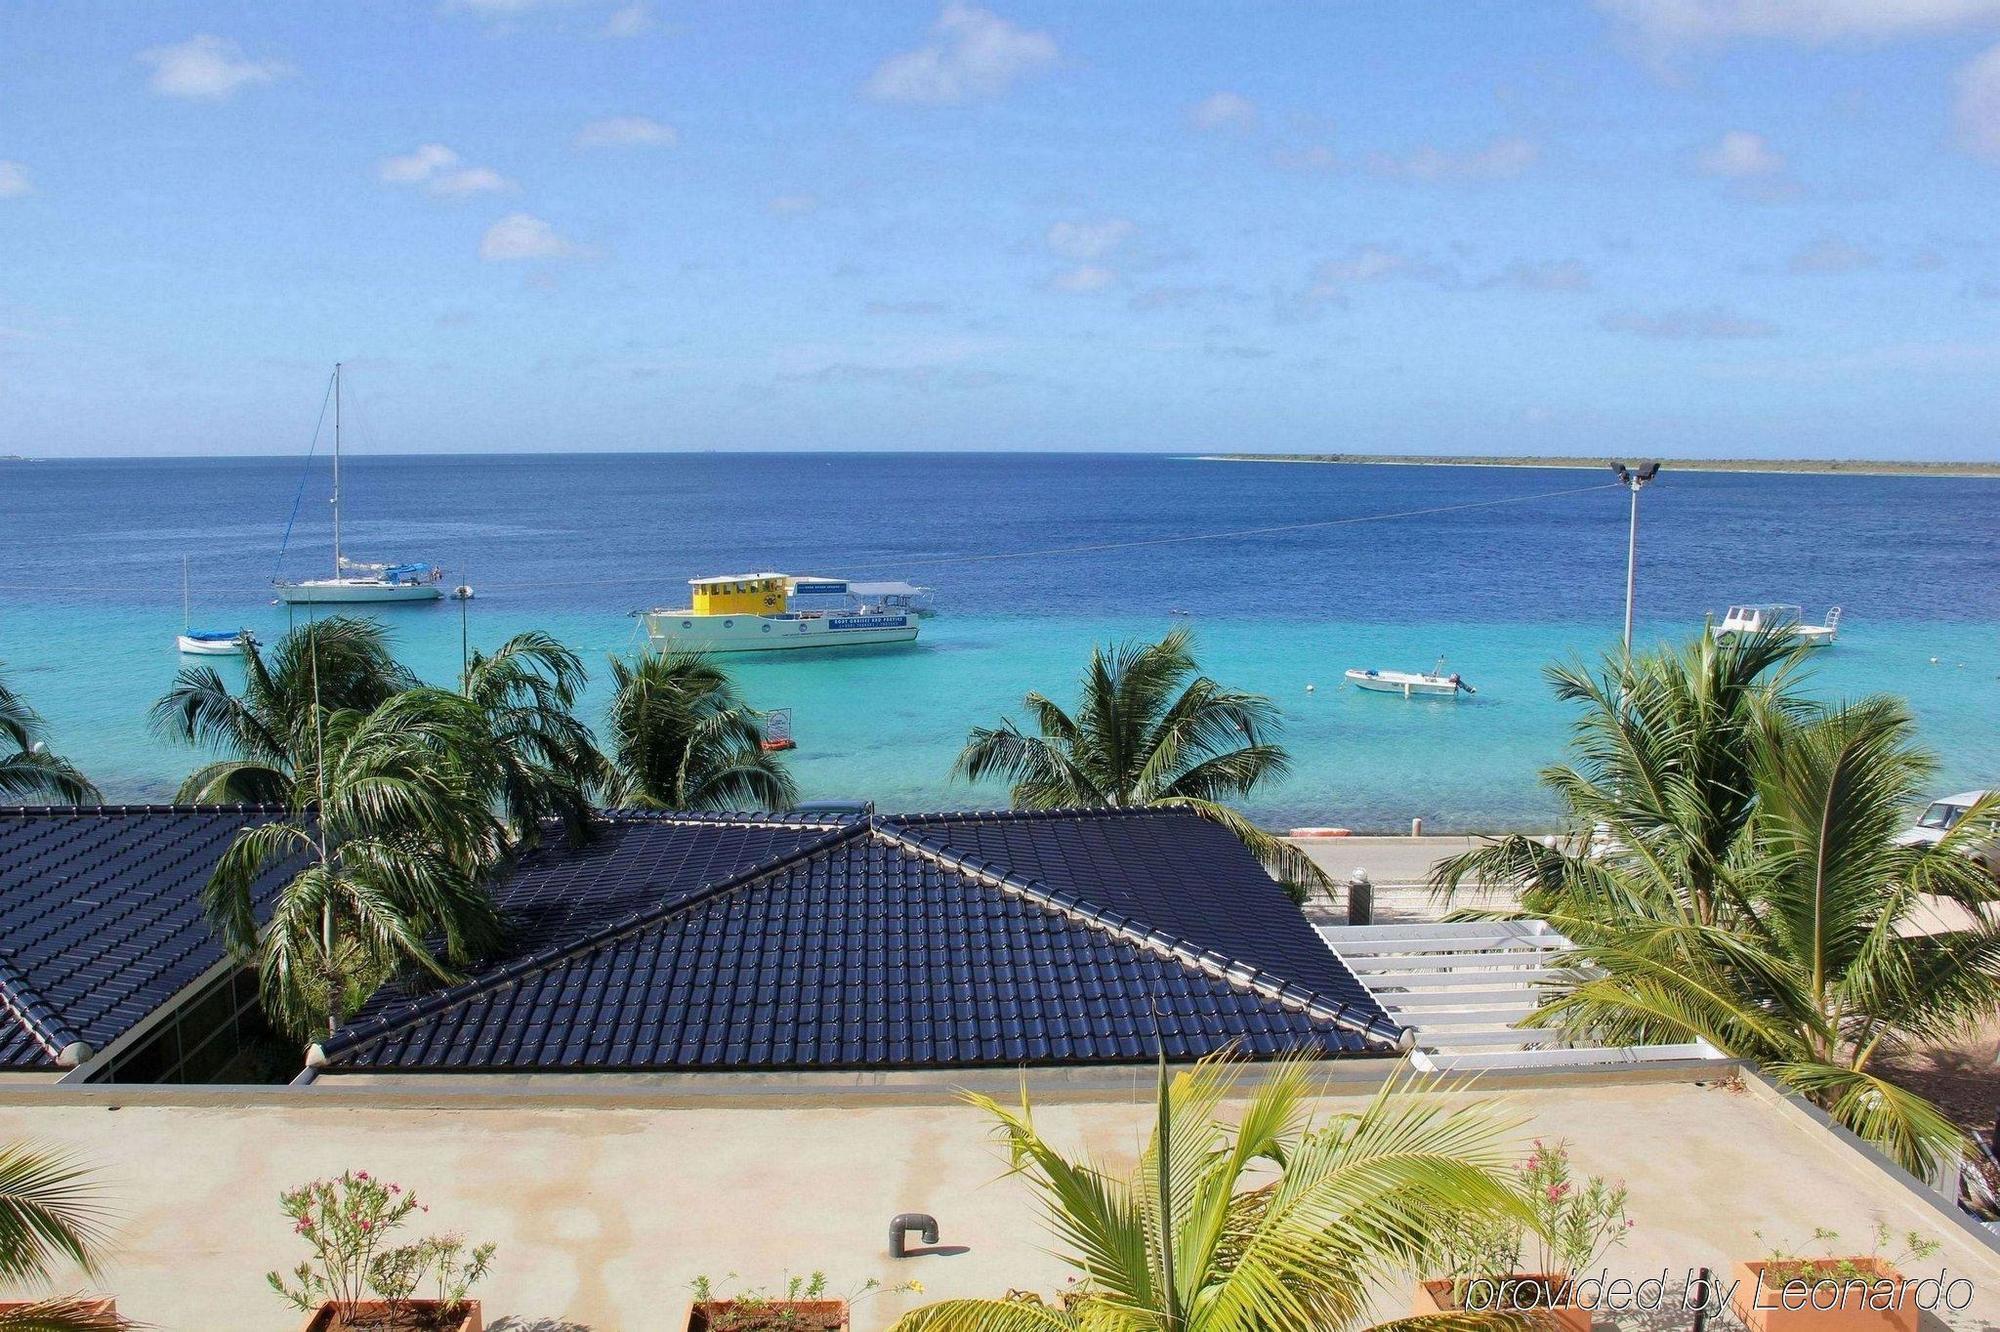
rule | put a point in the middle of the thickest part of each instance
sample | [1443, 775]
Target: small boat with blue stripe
[769, 612]
[208, 642]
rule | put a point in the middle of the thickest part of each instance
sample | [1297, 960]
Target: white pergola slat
[1464, 987]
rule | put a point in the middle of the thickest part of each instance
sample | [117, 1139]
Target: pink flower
[1556, 1192]
[367, 1225]
[361, 1174]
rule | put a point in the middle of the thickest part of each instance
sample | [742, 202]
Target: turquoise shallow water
[886, 724]
[91, 596]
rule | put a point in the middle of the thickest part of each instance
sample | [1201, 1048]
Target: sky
[1724, 228]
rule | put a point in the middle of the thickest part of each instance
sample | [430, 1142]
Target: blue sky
[1689, 227]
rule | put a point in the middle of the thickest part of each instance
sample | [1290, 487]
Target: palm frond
[50, 1212]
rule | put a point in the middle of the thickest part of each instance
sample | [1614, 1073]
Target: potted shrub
[1789, 1292]
[1479, 1260]
[804, 1305]
[357, 1280]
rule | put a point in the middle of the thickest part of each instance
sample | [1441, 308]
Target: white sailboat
[208, 642]
[354, 581]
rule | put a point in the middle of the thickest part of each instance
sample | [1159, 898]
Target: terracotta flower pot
[1515, 1292]
[425, 1314]
[1878, 1299]
[778, 1315]
[100, 1304]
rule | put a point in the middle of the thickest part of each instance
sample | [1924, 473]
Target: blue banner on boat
[871, 622]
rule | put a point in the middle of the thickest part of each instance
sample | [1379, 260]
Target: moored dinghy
[208, 642]
[1409, 684]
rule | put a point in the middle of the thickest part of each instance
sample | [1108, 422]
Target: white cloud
[1084, 278]
[1090, 240]
[14, 180]
[1741, 155]
[523, 236]
[1562, 275]
[1978, 109]
[1711, 323]
[629, 20]
[206, 66]
[1223, 111]
[440, 171]
[627, 132]
[972, 55]
[1370, 263]
[1832, 255]
[1502, 159]
[793, 205]
[1313, 157]
[410, 168]
[1666, 24]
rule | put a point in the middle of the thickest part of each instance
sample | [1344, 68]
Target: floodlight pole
[1634, 480]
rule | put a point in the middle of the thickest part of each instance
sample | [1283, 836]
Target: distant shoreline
[1802, 466]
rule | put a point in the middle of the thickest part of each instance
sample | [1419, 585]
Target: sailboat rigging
[352, 580]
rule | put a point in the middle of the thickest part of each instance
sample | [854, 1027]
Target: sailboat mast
[184, 594]
[336, 469]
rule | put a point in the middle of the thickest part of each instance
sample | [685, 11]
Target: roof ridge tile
[37, 1017]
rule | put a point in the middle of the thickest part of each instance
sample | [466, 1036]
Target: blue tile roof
[101, 920]
[677, 943]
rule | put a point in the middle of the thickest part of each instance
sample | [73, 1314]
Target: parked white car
[1941, 816]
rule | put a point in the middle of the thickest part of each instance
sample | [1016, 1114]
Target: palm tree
[1276, 1225]
[1662, 772]
[1804, 955]
[1151, 731]
[682, 738]
[547, 759]
[49, 1214]
[390, 829]
[27, 769]
[267, 732]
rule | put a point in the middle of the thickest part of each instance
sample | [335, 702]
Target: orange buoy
[1321, 832]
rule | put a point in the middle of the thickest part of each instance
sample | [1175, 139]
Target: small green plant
[1471, 1246]
[1785, 1265]
[350, 1222]
[440, 1268]
[789, 1309]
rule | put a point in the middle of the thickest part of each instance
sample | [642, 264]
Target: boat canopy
[213, 635]
[723, 580]
[887, 589]
[407, 573]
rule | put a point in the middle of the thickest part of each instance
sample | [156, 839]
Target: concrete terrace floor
[606, 1196]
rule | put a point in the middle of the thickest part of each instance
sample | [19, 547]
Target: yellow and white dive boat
[754, 613]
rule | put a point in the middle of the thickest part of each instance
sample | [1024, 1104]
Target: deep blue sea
[90, 594]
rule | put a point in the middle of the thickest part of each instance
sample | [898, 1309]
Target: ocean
[1500, 570]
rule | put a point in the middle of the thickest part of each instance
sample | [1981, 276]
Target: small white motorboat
[1762, 619]
[208, 642]
[214, 642]
[1410, 685]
